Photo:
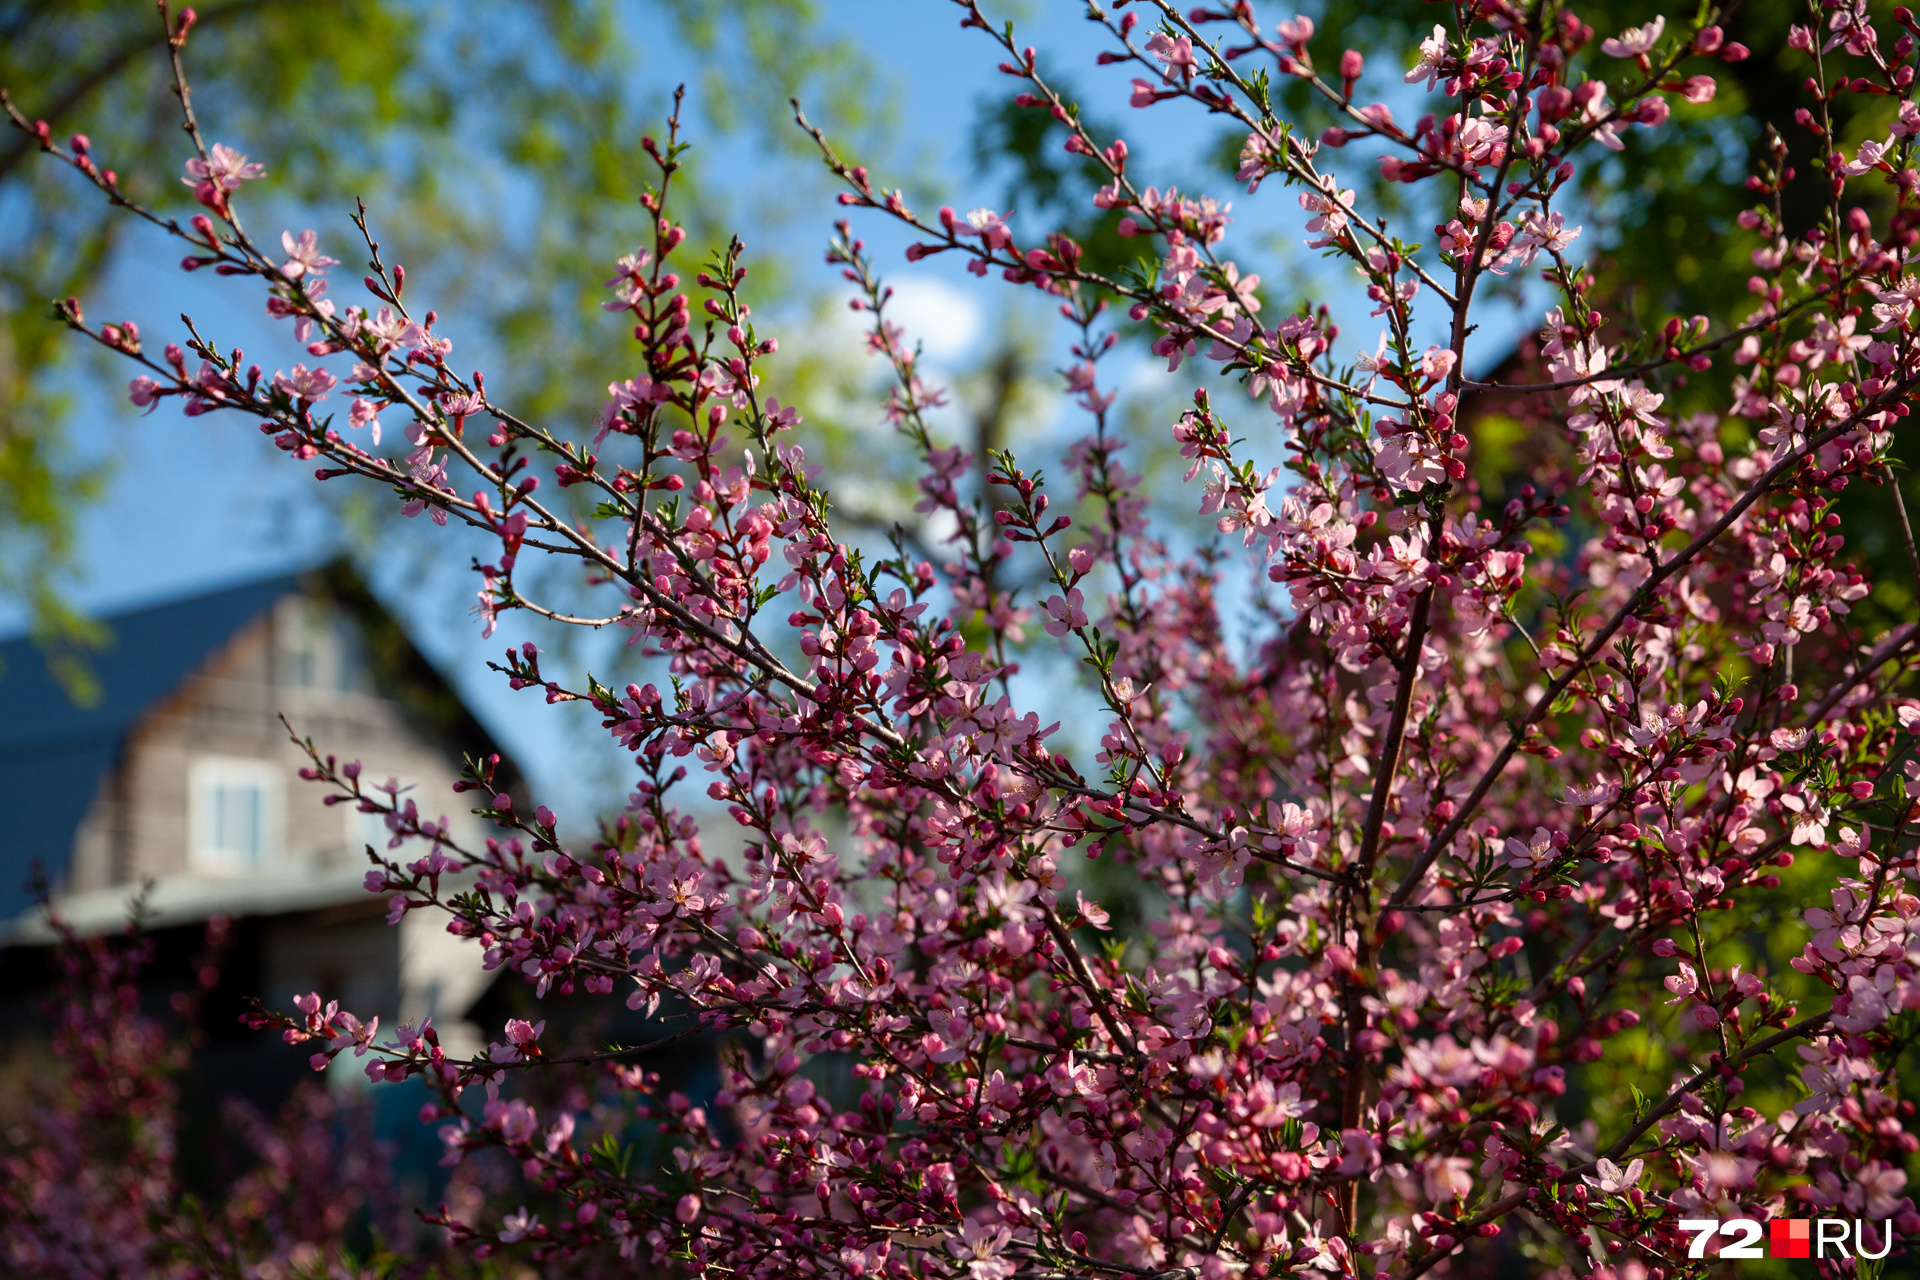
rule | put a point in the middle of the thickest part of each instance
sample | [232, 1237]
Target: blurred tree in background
[1656, 250]
[1665, 247]
[1662, 249]
[540, 104]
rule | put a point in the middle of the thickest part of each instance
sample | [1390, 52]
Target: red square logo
[1789, 1237]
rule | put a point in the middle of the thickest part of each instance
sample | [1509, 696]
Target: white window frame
[208, 773]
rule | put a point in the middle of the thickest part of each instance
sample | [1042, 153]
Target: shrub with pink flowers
[1529, 872]
[93, 1180]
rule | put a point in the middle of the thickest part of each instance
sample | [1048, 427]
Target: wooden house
[180, 782]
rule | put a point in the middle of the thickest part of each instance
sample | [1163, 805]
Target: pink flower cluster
[93, 1178]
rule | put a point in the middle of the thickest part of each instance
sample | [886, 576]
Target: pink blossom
[221, 172]
[1614, 1180]
[303, 255]
[304, 383]
[1635, 42]
[1434, 58]
[1065, 613]
[991, 227]
[1093, 913]
[1532, 854]
[979, 1248]
[1175, 54]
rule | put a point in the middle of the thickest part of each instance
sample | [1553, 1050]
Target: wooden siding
[138, 826]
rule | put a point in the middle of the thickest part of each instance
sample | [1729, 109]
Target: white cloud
[1147, 375]
[945, 319]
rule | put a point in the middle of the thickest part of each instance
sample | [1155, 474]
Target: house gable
[55, 755]
[182, 772]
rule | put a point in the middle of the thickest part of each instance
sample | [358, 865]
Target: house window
[318, 647]
[302, 664]
[353, 672]
[300, 645]
[233, 815]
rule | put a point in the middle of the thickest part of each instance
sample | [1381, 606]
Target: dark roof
[54, 752]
